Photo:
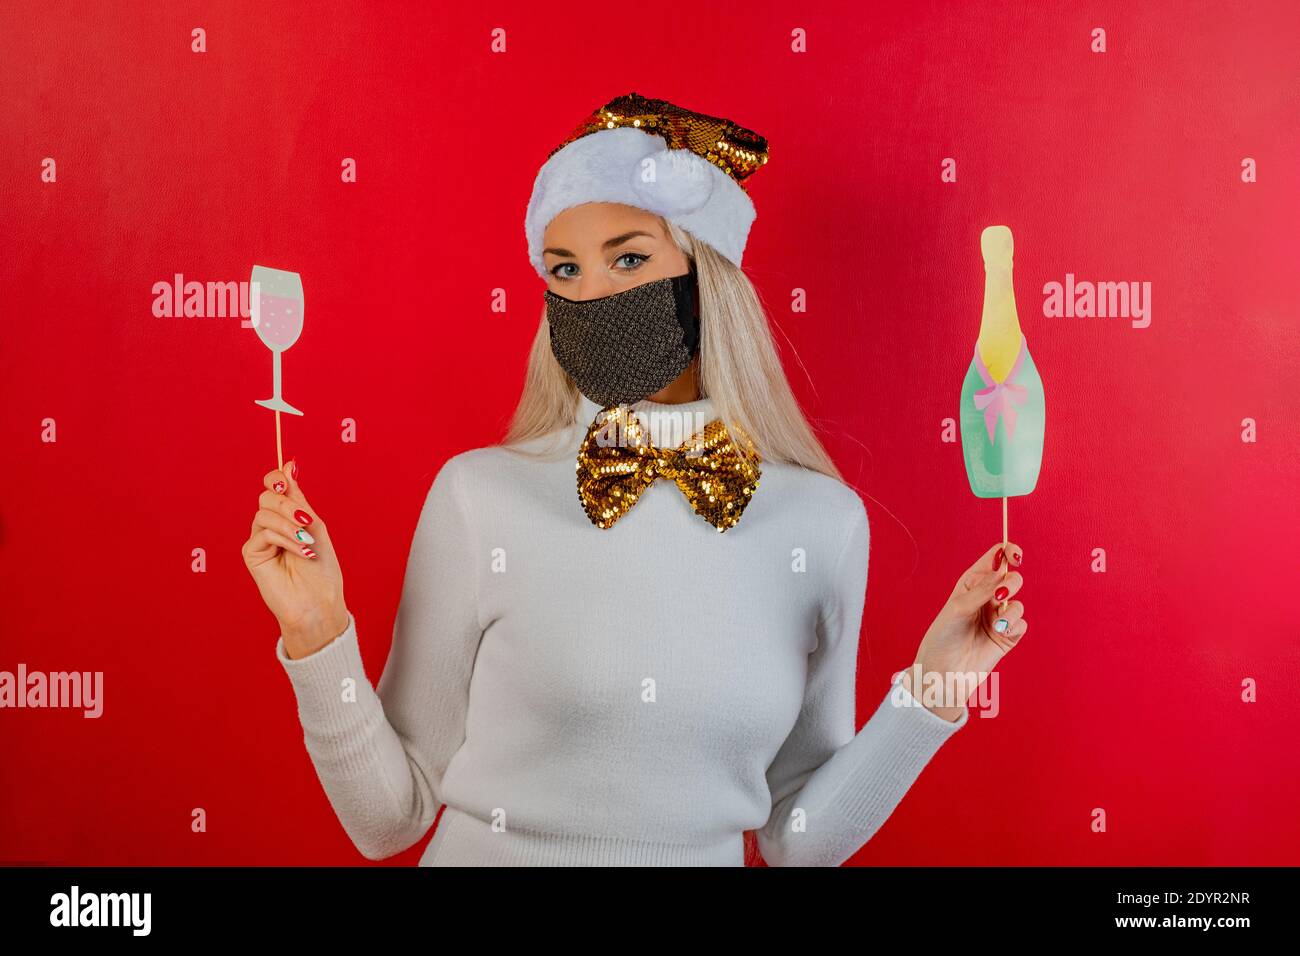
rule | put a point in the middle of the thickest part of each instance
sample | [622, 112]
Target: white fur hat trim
[632, 166]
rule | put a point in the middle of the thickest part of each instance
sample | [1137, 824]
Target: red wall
[1126, 693]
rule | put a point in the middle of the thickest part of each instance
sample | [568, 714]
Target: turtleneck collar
[665, 424]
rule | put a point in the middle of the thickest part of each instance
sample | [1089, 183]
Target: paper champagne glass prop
[276, 308]
[1002, 402]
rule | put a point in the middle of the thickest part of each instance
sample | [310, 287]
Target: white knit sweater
[639, 695]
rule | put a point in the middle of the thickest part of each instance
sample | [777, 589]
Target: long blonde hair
[739, 370]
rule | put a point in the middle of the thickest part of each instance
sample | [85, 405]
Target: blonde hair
[738, 369]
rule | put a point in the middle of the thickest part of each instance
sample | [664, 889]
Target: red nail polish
[279, 487]
[308, 551]
[301, 517]
[1019, 558]
[997, 559]
[293, 469]
[1000, 594]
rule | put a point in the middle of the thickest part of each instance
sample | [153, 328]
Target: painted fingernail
[302, 535]
[293, 469]
[1001, 625]
[301, 517]
[1000, 594]
[279, 487]
[308, 551]
[997, 560]
[1019, 557]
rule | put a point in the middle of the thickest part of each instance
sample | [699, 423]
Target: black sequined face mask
[622, 347]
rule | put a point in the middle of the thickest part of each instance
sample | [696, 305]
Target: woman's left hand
[964, 644]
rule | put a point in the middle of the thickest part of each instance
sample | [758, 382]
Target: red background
[1124, 166]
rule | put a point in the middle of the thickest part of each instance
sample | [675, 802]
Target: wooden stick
[279, 450]
[1006, 560]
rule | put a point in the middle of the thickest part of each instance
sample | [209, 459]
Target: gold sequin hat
[691, 168]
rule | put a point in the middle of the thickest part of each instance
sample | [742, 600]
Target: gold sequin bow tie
[616, 463]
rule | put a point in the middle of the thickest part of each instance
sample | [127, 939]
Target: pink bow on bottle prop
[1000, 398]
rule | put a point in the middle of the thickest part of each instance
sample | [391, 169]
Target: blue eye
[633, 255]
[638, 258]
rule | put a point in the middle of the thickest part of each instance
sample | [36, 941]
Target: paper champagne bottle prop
[1002, 402]
[276, 308]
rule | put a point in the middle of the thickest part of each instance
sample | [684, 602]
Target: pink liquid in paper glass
[280, 319]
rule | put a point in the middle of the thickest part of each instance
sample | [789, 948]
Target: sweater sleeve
[380, 753]
[833, 789]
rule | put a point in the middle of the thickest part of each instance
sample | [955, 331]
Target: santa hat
[689, 167]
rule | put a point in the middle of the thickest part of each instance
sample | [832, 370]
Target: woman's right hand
[290, 556]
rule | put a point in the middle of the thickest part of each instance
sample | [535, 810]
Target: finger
[259, 548]
[299, 514]
[1013, 581]
[295, 492]
[283, 482]
[991, 560]
[265, 539]
[266, 518]
[998, 556]
[256, 549]
[1013, 613]
[276, 480]
[979, 587]
[1014, 628]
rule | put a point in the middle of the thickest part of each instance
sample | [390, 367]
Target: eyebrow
[607, 244]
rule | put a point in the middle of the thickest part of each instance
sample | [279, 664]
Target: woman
[601, 677]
